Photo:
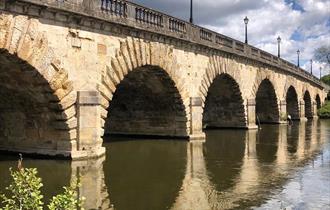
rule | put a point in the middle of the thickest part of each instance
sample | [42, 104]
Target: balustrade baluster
[115, 6]
[111, 6]
[121, 6]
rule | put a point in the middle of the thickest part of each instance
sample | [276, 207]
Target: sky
[301, 24]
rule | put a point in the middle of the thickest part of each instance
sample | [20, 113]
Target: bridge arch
[224, 106]
[308, 104]
[220, 91]
[292, 104]
[144, 71]
[37, 112]
[267, 110]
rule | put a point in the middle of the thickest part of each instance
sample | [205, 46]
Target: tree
[24, 193]
[322, 54]
[326, 79]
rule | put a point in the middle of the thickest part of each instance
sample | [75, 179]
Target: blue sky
[302, 24]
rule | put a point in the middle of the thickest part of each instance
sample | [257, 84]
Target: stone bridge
[73, 71]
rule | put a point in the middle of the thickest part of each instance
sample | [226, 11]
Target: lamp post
[298, 53]
[320, 72]
[246, 21]
[311, 66]
[191, 11]
[278, 46]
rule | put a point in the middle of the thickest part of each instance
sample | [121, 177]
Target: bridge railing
[136, 16]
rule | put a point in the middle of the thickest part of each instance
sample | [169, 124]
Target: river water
[277, 167]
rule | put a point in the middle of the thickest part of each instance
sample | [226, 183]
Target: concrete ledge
[248, 127]
[60, 154]
[144, 135]
[252, 127]
[83, 155]
[303, 119]
[197, 137]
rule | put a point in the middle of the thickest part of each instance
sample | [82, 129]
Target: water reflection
[232, 169]
[145, 174]
[93, 187]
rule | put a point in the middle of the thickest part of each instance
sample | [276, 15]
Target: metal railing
[142, 18]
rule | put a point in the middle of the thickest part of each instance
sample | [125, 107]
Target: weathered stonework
[60, 72]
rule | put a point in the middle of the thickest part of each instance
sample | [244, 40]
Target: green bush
[67, 200]
[324, 112]
[24, 193]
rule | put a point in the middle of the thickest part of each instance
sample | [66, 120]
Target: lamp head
[246, 20]
[278, 39]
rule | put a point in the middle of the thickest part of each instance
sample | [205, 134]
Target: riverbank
[324, 112]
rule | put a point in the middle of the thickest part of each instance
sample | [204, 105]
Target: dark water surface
[276, 167]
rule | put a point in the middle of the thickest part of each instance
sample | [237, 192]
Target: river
[277, 167]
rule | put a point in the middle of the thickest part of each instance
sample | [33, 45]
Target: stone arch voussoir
[132, 54]
[290, 82]
[261, 76]
[221, 66]
[218, 65]
[21, 40]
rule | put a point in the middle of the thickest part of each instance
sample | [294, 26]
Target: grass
[324, 112]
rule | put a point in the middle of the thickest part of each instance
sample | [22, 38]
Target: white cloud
[305, 30]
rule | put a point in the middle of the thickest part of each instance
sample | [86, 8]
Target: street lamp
[298, 53]
[311, 66]
[191, 11]
[278, 46]
[320, 72]
[246, 21]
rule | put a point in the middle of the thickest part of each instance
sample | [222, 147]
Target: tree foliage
[67, 200]
[322, 54]
[24, 193]
[324, 112]
[326, 79]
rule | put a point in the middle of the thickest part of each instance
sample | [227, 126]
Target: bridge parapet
[146, 19]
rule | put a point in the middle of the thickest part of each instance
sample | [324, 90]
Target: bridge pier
[314, 110]
[251, 114]
[303, 118]
[283, 112]
[89, 132]
[196, 119]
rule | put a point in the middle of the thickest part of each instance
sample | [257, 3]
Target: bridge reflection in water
[230, 169]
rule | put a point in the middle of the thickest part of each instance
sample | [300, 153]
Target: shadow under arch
[224, 106]
[292, 105]
[32, 107]
[308, 105]
[147, 103]
[318, 101]
[266, 103]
